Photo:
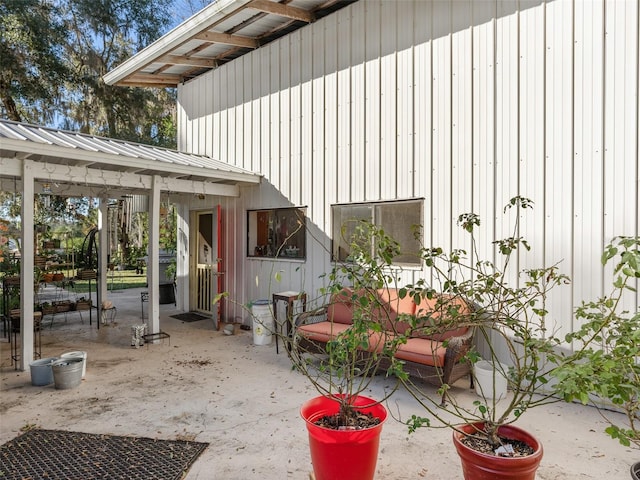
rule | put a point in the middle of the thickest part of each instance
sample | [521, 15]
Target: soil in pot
[479, 443]
[353, 420]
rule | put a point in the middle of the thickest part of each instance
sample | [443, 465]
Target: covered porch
[72, 164]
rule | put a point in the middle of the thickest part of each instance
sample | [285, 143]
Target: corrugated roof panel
[25, 134]
[112, 154]
[79, 141]
[232, 21]
[8, 131]
[53, 137]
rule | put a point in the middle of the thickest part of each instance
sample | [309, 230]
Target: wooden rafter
[225, 38]
[190, 61]
[282, 10]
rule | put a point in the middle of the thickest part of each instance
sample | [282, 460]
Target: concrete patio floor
[244, 400]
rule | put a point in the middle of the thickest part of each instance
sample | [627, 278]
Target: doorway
[208, 263]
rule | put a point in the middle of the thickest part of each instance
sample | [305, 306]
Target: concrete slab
[244, 399]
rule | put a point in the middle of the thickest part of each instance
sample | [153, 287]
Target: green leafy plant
[343, 368]
[606, 370]
[509, 316]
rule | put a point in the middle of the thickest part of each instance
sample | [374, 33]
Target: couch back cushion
[340, 308]
[394, 307]
[441, 311]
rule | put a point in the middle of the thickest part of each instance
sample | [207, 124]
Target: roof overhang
[219, 33]
[107, 164]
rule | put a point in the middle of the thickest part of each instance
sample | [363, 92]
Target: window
[398, 219]
[277, 232]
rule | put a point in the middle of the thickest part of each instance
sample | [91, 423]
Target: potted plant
[606, 373]
[344, 425]
[513, 334]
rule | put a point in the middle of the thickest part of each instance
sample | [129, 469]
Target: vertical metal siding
[295, 164]
[387, 161]
[372, 96]
[461, 102]
[588, 147]
[343, 158]
[356, 179]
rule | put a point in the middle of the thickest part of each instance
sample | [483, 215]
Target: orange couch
[431, 353]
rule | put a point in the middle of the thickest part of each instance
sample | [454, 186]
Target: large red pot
[480, 466]
[342, 454]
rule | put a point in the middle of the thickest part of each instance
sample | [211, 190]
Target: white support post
[153, 268]
[103, 249]
[27, 293]
[182, 257]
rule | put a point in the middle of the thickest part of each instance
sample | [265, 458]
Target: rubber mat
[190, 317]
[62, 455]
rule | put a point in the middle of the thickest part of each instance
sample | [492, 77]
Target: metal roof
[60, 151]
[219, 33]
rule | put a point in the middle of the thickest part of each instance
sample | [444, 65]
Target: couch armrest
[312, 316]
[461, 341]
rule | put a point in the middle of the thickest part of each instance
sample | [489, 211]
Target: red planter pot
[342, 454]
[479, 466]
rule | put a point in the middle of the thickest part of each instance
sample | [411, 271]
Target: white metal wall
[464, 103]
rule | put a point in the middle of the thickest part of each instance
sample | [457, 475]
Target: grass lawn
[116, 280]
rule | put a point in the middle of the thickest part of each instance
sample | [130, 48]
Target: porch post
[103, 249]
[26, 267]
[153, 273]
[182, 257]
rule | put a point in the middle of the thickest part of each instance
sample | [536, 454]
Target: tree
[32, 69]
[53, 58]
[103, 34]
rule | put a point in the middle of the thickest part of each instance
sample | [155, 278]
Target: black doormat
[55, 454]
[190, 317]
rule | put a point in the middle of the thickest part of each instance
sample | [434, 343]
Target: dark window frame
[278, 233]
[376, 213]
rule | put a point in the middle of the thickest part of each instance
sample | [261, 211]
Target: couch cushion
[395, 307]
[422, 350]
[326, 331]
[321, 331]
[377, 341]
[340, 308]
[433, 310]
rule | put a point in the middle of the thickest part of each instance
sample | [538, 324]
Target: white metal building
[457, 104]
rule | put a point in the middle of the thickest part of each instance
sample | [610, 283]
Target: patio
[243, 399]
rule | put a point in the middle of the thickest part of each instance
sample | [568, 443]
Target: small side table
[289, 297]
[37, 337]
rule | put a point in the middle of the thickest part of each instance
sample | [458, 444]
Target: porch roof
[219, 33]
[100, 163]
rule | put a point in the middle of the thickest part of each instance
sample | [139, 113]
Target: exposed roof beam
[133, 83]
[165, 78]
[226, 39]
[190, 61]
[93, 177]
[282, 10]
[214, 12]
